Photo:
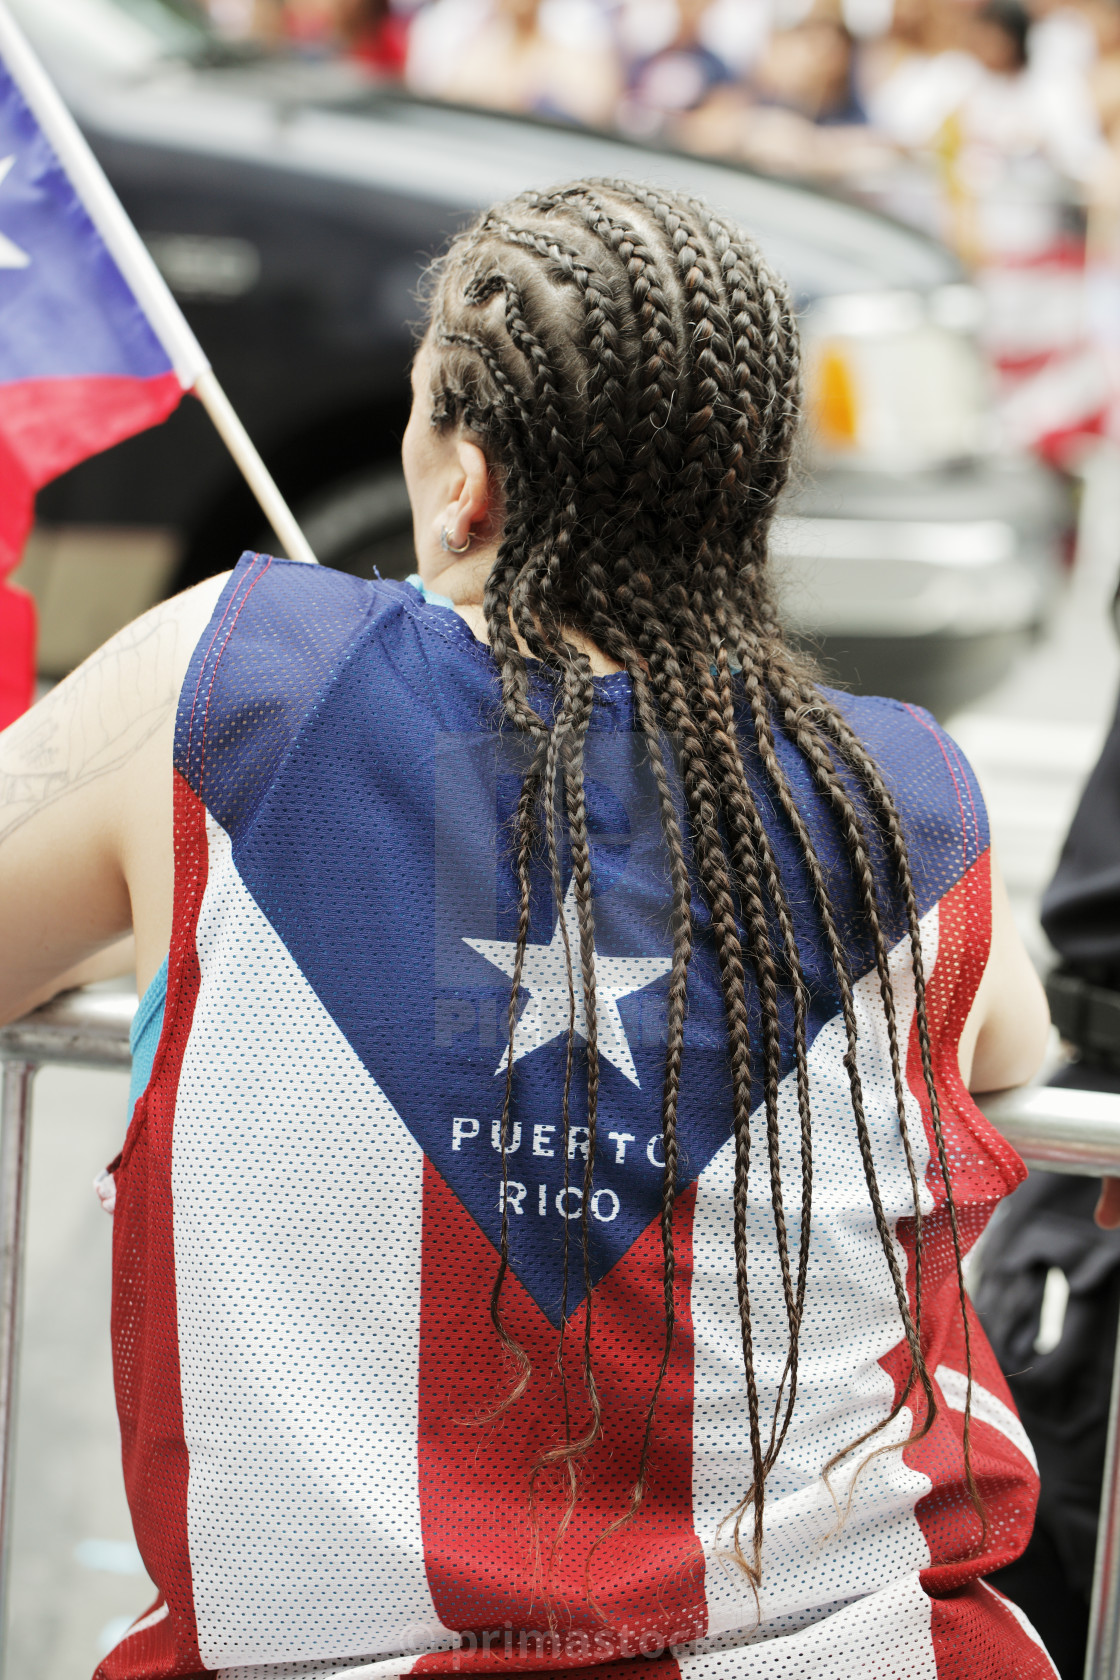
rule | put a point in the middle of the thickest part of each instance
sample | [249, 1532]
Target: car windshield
[117, 36]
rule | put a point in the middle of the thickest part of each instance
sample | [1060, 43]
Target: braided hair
[630, 366]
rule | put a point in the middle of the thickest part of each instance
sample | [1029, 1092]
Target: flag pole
[148, 285]
[228, 425]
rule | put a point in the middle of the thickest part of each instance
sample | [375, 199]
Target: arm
[86, 850]
[1005, 1035]
[1004, 1038]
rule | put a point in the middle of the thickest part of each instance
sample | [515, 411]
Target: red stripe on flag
[17, 504]
[145, 1314]
[475, 1479]
[49, 425]
[17, 652]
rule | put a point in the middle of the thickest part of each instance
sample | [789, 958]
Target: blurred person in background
[1101, 61]
[1049, 1290]
[372, 31]
[917, 34]
[244, 20]
[311, 26]
[968, 95]
[553, 57]
[809, 69]
[920, 70]
[799, 111]
[677, 53]
[1062, 35]
[375, 32]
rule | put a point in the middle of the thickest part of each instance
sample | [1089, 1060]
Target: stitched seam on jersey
[202, 668]
[138, 1120]
[962, 769]
[952, 776]
[214, 677]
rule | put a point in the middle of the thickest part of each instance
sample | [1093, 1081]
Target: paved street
[77, 1576]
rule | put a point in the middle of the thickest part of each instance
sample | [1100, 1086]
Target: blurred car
[291, 206]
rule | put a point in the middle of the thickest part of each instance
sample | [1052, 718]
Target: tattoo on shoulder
[94, 721]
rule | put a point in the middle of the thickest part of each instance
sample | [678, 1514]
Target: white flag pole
[257, 475]
[150, 289]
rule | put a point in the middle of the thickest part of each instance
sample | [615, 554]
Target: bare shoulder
[1005, 1036]
[86, 850]
[102, 715]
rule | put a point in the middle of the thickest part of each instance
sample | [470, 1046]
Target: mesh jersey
[308, 1203]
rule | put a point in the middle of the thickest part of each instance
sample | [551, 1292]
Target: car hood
[324, 120]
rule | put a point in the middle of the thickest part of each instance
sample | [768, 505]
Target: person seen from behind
[517, 55]
[538, 1236]
[798, 111]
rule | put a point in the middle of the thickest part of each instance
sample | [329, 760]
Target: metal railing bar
[86, 1028]
[15, 1149]
[1059, 1130]
[1102, 1657]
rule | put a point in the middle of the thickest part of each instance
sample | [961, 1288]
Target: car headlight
[894, 380]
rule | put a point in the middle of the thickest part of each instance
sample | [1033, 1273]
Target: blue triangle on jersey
[352, 753]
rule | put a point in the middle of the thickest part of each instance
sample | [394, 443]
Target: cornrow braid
[631, 368]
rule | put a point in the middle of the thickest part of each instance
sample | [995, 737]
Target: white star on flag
[544, 976]
[10, 254]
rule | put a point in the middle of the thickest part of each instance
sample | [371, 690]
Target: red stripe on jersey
[145, 1324]
[984, 1168]
[1005, 1479]
[475, 1480]
[663, 1667]
[976, 1632]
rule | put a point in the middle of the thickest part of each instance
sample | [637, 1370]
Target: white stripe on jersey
[811, 1558]
[885, 1635]
[298, 1291]
[986, 1406]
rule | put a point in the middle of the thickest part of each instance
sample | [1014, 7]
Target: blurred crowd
[815, 87]
[993, 124]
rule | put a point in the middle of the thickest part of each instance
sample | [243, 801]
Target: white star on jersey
[10, 254]
[544, 976]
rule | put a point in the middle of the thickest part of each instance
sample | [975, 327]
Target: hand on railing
[1107, 1214]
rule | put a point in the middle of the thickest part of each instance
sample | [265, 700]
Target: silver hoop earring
[449, 547]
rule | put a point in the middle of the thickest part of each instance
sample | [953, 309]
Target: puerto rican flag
[93, 346]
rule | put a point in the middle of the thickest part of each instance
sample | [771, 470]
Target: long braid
[702, 802]
[829, 783]
[753, 857]
[856, 756]
[840, 965]
[630, 364]
[524, 826]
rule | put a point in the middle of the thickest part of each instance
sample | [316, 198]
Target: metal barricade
[1056, 1130]
[84, 1029]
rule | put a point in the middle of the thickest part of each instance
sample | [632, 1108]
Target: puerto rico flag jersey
[309, 1205]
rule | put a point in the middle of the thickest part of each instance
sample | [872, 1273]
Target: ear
[469, 514]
